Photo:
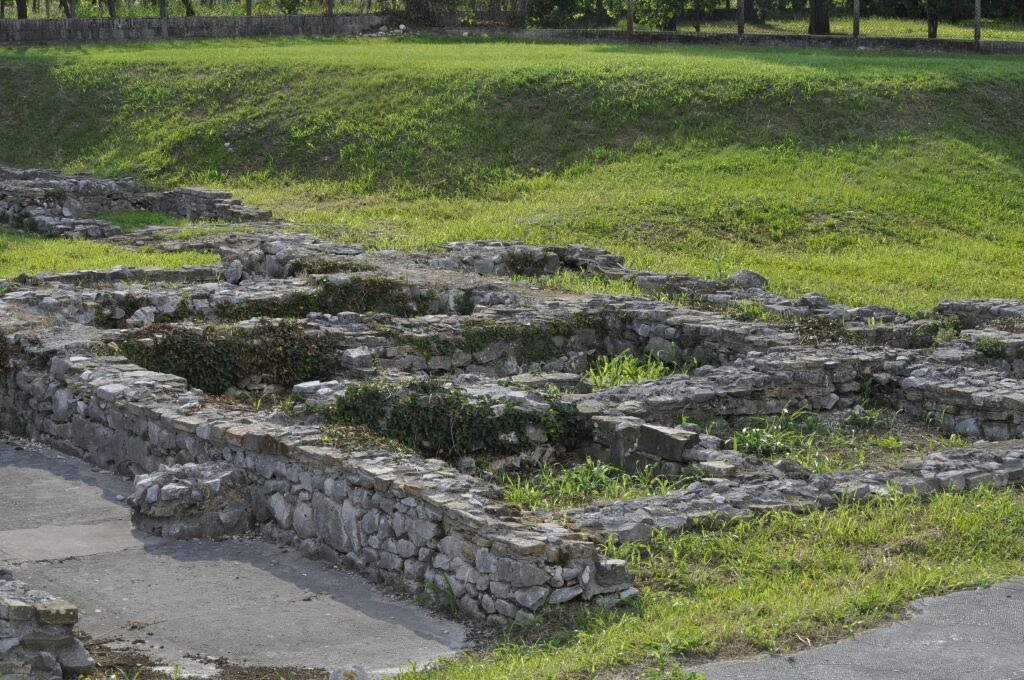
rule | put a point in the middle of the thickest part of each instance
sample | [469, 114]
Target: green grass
[871, 438]
[132, 220]
[872, 178]
[558, 488]
[27, 254]
[775, 584]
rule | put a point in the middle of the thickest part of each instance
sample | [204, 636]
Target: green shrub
[358, 294]
[424, 415]
[215, 358]
[993, 348]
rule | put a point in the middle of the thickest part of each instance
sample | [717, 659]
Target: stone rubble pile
[192, 501]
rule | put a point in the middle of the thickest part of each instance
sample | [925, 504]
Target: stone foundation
[383, 325]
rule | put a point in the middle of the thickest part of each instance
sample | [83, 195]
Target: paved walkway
[64, 530]
[969, 635]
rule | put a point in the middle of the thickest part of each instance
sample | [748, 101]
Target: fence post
[856, 18]
[163, 9]
[629, 18]
[977, 23]
[739, 16]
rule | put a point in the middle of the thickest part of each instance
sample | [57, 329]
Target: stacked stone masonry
[456, 318]
[37, 640]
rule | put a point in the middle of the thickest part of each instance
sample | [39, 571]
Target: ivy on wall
[215, 358]
[445, 423]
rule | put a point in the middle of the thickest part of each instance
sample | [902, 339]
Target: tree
[819, 24]
[931, 13]
[22, 9]
[750, 12]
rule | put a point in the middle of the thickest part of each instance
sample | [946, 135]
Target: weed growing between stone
[625, 368]
[864, 437]
[558, 488]
[533, 342]
[775, 583]
[993, 348]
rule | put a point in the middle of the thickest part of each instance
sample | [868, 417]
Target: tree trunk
[933, 20]
[190, 10]
[819, 18]
[698, 10]
[22, 9]
[112, 9]
[749, 12]
[65, 7]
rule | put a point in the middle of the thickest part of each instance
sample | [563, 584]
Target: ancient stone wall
[51, 204]
[37, 640]
[349, 338]
[405, 520]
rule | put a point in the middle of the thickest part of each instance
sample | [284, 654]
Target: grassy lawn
[133, 220]
[874, 177]
[27, 254]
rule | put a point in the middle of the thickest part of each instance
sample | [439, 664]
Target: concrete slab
[61, 542]
[968, 635]
[249, 602]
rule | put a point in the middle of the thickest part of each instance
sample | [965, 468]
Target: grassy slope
[870, 177]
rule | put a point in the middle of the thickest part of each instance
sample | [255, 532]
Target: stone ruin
[37, 634]
[405, 380]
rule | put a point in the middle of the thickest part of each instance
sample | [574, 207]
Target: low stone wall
[52, 204]
[405, 520]
[37, 638]
[715, 500]
[63, 31]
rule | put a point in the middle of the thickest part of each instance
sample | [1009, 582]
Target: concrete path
[969, 635]
[64, 530]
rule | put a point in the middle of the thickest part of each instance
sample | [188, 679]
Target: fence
[426, 12]
[955, 20]
[913, 23]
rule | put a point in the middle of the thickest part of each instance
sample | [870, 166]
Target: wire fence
[967, 20]
[918, 19]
